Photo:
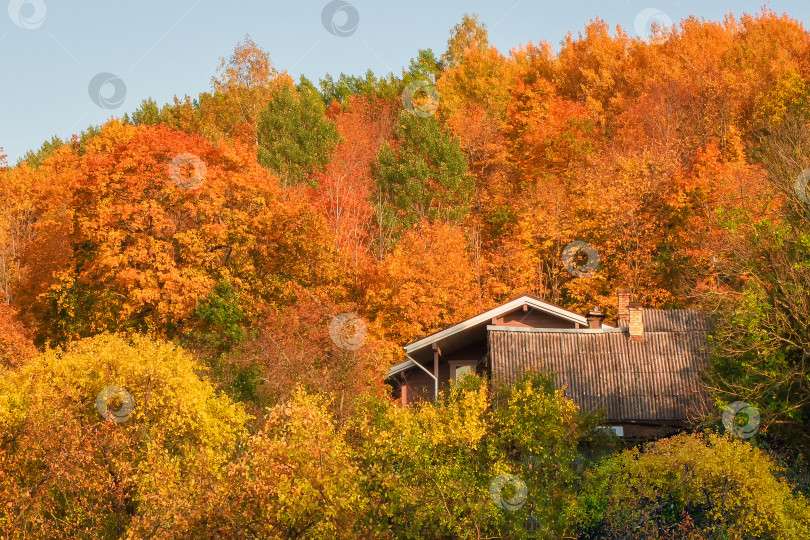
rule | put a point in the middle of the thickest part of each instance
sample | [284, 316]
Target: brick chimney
[623, 318]
[636, 323]
[595, 318]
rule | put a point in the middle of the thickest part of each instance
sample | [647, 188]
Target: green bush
[692, 485]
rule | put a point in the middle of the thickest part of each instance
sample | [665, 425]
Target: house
[644, 372]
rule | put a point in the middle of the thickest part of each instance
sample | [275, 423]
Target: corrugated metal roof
[654, 380]
[675, 320]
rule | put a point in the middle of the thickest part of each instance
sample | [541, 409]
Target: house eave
[602, 330]
[495, 312]
[402, 366]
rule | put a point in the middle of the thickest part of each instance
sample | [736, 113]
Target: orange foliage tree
[16, 346]
[426, 283]
[154, 220]
[313, 345]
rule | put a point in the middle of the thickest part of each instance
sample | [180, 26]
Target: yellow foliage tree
[68, 472]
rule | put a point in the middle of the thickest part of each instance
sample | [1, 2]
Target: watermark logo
[652, 24]
[340, 18]
[27, 14]
[427, 105]
[801, 186]
[187, 171]
[99, 93]
[348, 331]
[741, 419]
[578, 268]
[115, 404]
[508, 492]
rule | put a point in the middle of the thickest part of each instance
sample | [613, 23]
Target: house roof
[675, 320]
[473, 328]
[403, 366]
[654, 380]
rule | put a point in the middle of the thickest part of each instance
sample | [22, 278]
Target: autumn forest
[192, 262]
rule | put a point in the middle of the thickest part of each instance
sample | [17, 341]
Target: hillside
[248, 264]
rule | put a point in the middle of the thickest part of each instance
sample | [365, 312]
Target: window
[461, 368]
[462, 371]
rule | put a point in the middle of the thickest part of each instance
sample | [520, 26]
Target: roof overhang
[399, 368]
[603, 330]
[486, 319]
[475, 328]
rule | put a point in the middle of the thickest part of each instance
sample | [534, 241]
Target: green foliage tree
[693, 486]
[346, 86]
[544, 438]
[148, 113]
[220, 319]
[762, 342]
[425, 67]
[424, 466]
[422, 173]
[295, 137]
[47, 148]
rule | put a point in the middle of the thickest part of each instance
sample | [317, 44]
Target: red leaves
[345, 189]
[15, 342]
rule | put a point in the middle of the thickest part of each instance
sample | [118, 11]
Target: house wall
[532, 319]
[475, 351]
[640, 431]
[420, 384]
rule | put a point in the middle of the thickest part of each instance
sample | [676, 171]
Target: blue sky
[52, 49]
